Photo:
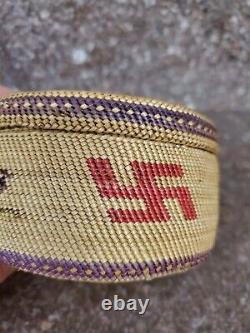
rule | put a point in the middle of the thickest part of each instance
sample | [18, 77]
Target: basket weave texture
[102, 187]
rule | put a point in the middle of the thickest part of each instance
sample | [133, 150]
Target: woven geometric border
[100, 272]
[107, 113]
[102, 187]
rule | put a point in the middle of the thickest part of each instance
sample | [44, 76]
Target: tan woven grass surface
[101, 187]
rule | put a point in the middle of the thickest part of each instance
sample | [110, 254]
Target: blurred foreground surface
[194, 52]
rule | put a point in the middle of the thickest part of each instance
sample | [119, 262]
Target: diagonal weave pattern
[104, 187]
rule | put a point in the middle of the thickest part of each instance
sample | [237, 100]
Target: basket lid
[101, 113]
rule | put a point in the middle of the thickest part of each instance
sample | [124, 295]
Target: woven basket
[101, 187]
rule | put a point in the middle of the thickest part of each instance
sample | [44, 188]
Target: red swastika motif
[146, 189]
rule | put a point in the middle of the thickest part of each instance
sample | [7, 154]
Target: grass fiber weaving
[103, 187]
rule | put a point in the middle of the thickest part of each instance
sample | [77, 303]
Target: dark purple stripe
[95, 270]
[4, 175]
[108, 105]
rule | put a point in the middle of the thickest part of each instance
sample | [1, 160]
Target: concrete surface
[190, 51]
[193, 51]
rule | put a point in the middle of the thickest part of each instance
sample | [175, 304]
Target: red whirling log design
[146, 189]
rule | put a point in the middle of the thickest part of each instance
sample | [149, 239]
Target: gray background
[194, 52]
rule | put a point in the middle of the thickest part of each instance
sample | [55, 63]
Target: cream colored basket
[101, 187]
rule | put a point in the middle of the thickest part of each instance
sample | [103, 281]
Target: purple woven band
[180, 121]
[75, 270]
